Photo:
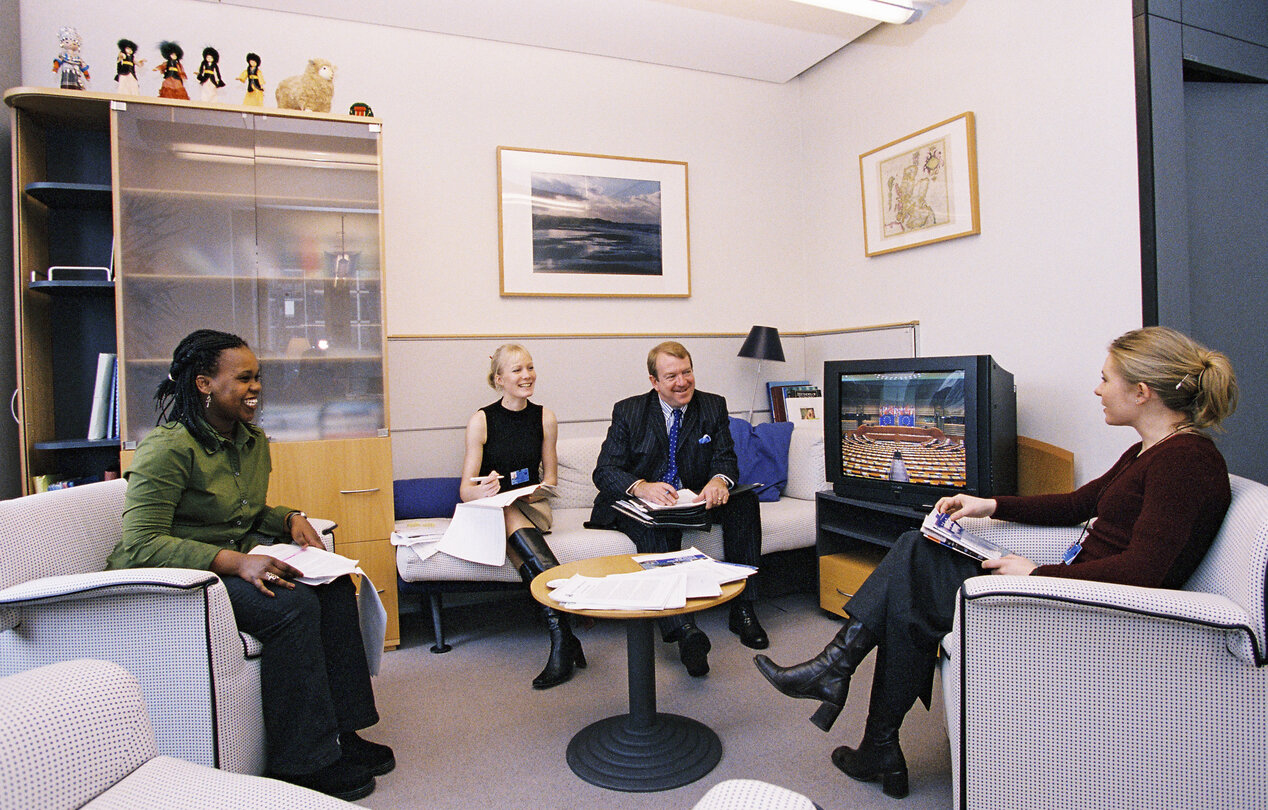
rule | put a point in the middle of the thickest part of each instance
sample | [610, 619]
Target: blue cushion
[424, 497]
[762, 451]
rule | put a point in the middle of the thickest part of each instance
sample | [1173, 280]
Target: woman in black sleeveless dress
[509, 444]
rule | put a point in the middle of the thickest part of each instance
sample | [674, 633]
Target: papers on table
[669, 580]
[420, 534]
[478, 530]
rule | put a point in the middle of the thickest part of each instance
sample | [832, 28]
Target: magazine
[941, 529]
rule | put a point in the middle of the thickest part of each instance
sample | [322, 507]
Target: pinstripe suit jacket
[637, 446]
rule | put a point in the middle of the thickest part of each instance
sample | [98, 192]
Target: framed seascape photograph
[572, 224]
[921, 188]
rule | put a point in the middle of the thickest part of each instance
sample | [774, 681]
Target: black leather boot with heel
[826, 677]
[565, 648]
[878, 755]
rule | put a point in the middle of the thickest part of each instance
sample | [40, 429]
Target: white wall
[449, 102]
[775, 219]
[1055, 273]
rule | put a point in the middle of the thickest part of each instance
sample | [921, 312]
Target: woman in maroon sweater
[1157, 511]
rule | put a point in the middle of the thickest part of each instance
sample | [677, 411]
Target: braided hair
[177, 398]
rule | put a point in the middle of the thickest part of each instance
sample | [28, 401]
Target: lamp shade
[762, 343]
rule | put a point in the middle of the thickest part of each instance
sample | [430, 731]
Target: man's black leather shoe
[745, 625]
[693, 649]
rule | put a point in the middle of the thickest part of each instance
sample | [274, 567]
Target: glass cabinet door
[262, 225]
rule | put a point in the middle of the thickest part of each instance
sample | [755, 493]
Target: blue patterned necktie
[671, 474]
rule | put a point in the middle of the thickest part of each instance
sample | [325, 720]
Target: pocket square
[705, 439]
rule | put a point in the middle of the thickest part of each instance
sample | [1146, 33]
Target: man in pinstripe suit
[635, 460]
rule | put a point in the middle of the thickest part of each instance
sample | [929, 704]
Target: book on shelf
[804, 408]
[98, 423]
[775, 393]
[781, 396]
[941, 529]
[112, 417]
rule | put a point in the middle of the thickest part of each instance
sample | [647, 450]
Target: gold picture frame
[577, 224]
[921, 188]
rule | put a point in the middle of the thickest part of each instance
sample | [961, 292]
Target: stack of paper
[941, 529]
[478, 530]
[421, 534]
[687, 513]
[670, 579]
[317, 565]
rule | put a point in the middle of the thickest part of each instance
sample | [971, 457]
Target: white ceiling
[770, 40]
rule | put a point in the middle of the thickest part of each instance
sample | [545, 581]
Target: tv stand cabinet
[851, 537]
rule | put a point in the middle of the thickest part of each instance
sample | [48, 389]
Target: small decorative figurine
[312, 90]
[172, 70]
[125, 66]
[254, 80]
[209, 74]
[71, 67]
[361, 108]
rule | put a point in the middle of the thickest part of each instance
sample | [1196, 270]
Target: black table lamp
[761, 344]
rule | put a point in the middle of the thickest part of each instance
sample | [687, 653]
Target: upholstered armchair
[172, 628]
[76, 734]
[1065, 693]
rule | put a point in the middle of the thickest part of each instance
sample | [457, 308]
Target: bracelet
[292, 514]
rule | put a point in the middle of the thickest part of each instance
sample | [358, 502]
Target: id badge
[1071, 553]
[519, 477]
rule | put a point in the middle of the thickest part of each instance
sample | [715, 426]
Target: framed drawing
[921, 188]
[592, 225]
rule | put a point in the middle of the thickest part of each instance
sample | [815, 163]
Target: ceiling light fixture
[897, 12]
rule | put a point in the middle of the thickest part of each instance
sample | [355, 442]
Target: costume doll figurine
[254, 80]
[69, 65]
[125, 67]
[209, 74]
[172, 70]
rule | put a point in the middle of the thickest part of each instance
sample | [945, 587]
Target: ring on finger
[271, 577]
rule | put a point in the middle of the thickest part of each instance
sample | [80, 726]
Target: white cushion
[805, 463]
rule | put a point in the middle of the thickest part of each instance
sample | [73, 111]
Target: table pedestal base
[621, 754]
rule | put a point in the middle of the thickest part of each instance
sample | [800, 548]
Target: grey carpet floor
[470, 732]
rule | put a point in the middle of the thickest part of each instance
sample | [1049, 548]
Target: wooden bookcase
[265, 223]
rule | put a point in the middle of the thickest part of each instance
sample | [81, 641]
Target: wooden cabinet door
[348, 481]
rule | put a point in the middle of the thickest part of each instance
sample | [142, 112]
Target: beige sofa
[788, 523]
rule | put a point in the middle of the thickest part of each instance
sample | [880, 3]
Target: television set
[906, 431]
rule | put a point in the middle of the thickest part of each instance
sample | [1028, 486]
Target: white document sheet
[317, 565]
[634, 591]
[478, 531]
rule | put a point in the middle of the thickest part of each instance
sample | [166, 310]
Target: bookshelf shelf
[70, 195]
[78, 444]
[74, 288]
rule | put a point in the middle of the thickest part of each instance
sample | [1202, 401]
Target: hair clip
[1182, 382]
[169, 376]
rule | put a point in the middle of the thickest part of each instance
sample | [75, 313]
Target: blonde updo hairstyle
[1185, 375]
[506, 353]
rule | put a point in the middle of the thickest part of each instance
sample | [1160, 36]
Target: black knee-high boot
[878, 755]
[565, 649]
[826, 677]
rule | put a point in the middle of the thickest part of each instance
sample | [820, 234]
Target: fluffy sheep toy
[312, 90]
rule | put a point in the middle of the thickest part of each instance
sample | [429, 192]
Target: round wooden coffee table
[644, 750]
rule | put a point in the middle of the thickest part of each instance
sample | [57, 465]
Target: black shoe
[826, 677]
[341, 779]
[565, 653]
[375, 758]
[868, 762]
[745, 625]
[693, 649]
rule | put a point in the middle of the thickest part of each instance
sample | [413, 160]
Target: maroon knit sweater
[1156, 514]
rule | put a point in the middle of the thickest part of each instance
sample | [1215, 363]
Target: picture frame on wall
[576, 224]
[921, 188]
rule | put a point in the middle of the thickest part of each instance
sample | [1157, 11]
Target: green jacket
[186, 502]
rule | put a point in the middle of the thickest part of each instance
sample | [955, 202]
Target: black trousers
[741, 522]
[314, 681]
[909, 603]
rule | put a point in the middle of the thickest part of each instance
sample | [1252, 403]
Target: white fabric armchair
[172, 628]
[1065, 693]
[76, 734]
